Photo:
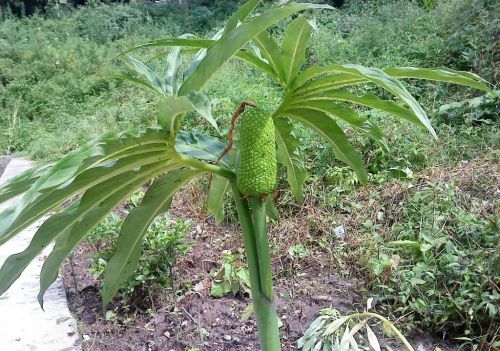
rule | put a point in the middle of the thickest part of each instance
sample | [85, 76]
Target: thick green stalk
[263, 305]
[260, 230]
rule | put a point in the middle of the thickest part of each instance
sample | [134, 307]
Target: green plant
[438, 269]
[107, 170]
[164, 241]
[333, 332]
[232, 277]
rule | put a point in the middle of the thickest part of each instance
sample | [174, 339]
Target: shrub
[164, 242]
[438, 268]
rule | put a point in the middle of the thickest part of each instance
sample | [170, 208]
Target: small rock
[339, 232]
[86, 337]
[18, 339]
[227, 337]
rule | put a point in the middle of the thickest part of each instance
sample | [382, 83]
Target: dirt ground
[193, 320]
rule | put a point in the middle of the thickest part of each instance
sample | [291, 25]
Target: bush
[437, 266]
[164, 242]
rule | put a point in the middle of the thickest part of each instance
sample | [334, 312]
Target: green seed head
[257, 167]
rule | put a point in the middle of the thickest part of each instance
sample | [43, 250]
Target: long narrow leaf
[94, 205]
[293, 53]
[124, 185]
[230, 43]
[26, 214]
[157, 200]
[22, 182]
[240, 15]
[288, 155]
[272, 53]
[368, 100]
[150, 75]
[216, 195]
[344, 113]
[442, 75]
[326, 127]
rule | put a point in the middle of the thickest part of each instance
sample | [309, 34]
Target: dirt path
[24, 325]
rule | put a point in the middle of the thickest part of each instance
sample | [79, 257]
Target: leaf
[202, 53]
[336, 324]
[240, 15]
[150, 75]
[328, 128]
[135, 81]
[68, 240]
[387, 82]
[93, 206]
[202, 105]
[171, 111]
[183, 42]
[96, 162]
[201, 146]
[295, 41]
[372, 338]
[271, 210]
[272, 53]
[288, 155]
[247, 312]
[442, 75]
[128, 250]
[344, 113]
[172, 68]
[368, 100]
[230, 43]
[22, 182]
[345, 341]
[216, 195]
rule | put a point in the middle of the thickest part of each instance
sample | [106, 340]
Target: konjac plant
[105, 172]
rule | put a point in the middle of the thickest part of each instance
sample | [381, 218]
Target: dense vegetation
[433, 256]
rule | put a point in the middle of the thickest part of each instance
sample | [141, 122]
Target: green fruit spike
[257, 169]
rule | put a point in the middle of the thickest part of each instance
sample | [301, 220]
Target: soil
[193, 320]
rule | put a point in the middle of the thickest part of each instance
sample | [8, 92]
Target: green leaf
[240, 15]
[272, 53]
[328, 128]
[93, 206]
[203, 147]
[183, 42]
[135, 81]
[288, 155]
[442, 75]
[150, 75]
[22, 182]
[387, 82]
[257, 62]
[202, 53]
[202, 105]
[368, 100]
[81, 169]
[344, 113]
[230, 43]
[271, 210]
[157, 200]
[171, 112]
[219, 187]
[293, 53]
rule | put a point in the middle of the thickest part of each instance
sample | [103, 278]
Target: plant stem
[260, 230]
[263, 305]
[207, 167]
